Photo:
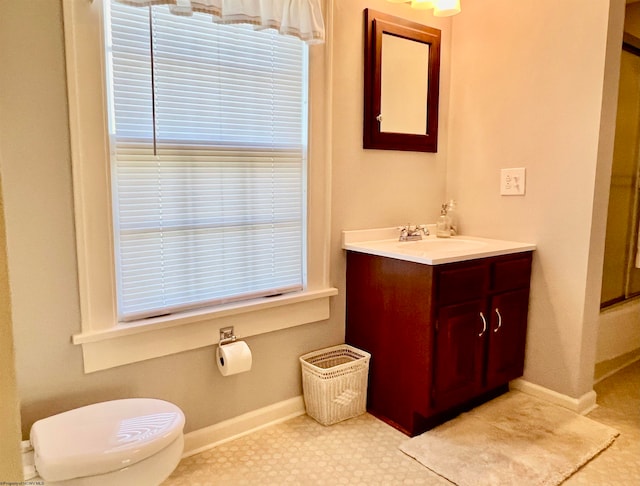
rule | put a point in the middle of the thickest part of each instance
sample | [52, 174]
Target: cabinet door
[459, 353]
[507, 337]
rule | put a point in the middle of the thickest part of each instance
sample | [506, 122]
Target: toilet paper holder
[226, 336]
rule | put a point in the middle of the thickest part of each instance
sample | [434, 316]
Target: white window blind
[208, 134]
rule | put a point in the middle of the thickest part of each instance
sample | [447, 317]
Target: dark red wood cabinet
[442, 338]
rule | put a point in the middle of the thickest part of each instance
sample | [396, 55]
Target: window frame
[107, 343]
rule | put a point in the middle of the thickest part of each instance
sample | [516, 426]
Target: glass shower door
[621, 278]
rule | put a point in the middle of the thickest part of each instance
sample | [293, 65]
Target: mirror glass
[403, 85]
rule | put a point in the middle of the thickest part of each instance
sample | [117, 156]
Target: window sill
[160, 336]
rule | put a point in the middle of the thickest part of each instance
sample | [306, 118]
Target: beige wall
[10, 465]
[528, 92]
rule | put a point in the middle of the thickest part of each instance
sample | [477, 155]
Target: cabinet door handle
[499, 321]
[484, 324]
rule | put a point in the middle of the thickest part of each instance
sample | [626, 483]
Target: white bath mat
[513, 440]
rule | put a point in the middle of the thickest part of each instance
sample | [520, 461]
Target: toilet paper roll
[233, 358]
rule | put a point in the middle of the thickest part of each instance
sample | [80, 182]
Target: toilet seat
[103, 437]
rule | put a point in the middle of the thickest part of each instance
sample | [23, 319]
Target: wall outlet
[512, 182]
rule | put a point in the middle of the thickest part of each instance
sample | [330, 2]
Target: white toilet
[135, 441]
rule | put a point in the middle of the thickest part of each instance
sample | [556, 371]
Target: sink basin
[440, 245]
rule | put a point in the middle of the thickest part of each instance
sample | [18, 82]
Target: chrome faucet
[413, 232]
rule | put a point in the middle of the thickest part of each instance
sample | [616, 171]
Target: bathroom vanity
[444, 320]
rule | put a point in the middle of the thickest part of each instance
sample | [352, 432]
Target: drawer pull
[499, 321]
[484, 324]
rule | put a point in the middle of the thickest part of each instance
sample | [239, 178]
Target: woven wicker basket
[334, 382]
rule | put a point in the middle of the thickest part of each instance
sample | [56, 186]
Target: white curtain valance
[299, 18]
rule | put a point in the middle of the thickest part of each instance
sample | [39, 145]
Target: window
[208, 127]
[200, 180]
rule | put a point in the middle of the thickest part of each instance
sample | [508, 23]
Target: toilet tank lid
[103, 437]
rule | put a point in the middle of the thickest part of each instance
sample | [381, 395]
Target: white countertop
[431, 250]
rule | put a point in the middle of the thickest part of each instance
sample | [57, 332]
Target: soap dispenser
[452, 212]
[443, 225]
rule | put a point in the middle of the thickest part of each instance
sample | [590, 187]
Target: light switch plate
[512, 182]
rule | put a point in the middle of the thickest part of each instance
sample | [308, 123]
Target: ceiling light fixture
[446, 8]
[423, 4]
[441, 8]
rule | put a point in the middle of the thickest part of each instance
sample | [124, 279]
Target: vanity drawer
[461, 283]
[512, 273]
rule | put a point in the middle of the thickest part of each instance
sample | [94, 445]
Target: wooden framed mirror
[401, 84]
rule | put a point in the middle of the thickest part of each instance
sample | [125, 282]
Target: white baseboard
[583, 405]
[203, 439]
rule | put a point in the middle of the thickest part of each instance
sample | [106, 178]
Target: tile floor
[364, 451]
